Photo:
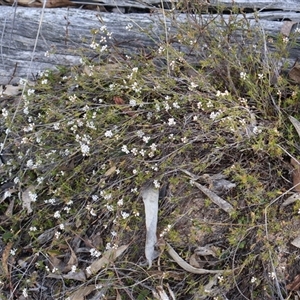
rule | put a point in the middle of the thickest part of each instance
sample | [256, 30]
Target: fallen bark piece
[187, 267]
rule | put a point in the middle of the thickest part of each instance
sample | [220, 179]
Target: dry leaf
[110, 171]
[78, 275]
[27, 198]
[82, 292]
[291, 199]
[10, 90]
[295, 285]
[5, 256]
[160, 294]
[184, 265]
[294, 121]
[73, 261]
[215, 198]
[150, 197]
[294, 73]
[287, 27]
[296, 242]
[108, 257]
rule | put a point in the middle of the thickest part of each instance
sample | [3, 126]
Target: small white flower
[124, 214]
[30, 92]
[253, 279]
[113, 233]
[129, 26]
[125, 149]
[85, 149]
[24, 293]
[44, 81]
[120, 202]
[94, 45]
[13, 251]
[243, 75]
[4, 113]
[260, 76]
[156, 184]
[140, 133]
[272, 275]
[285, 39]
[109, 133]
[95, 197]
[57, 214]
[132, 102]
[95, 253]
[214, 115]
[32, 228]
[73, 269]
[146, 139]
[171, 122]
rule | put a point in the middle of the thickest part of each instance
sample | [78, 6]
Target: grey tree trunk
[33, 40]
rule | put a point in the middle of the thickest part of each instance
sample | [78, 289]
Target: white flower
[4, 113]
[44, 81]
[176, 105]
[125, 149]
[129, 26]
[73, 269]
[171, 122]
[120, 202]
[214, 115]
[94, 45]
[153, 147]
[146, 139]
[95, 253]
[30, 92]
[124, 214]
[253, 279]
[140, 133]
[260, 76]
[13, 251]
[24, 293]
[243, 75]
[29, 163]
[156, 184]
[132, 102]
[57, 214]
[32, 228]
[85, 149]
[108, 133]
[95, 197]
[32, 196]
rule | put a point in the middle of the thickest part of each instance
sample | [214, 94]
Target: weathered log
[64, 30]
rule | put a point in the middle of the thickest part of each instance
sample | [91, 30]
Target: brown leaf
[82, 292]
[296, 174]
[118, 100]
[295, 285]
[5, 257]
[73, 261]
[287, 27]
[294, 73]
[110, 171]
[108, 257]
